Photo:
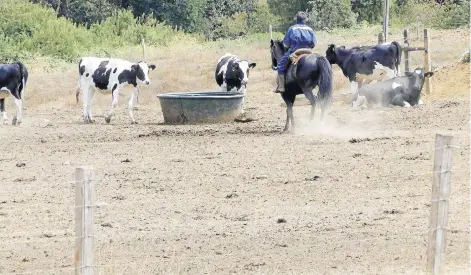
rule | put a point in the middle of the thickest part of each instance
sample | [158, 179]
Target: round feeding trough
[200, 107]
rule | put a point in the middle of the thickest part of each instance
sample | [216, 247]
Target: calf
[13, 79]
[108, 76]
[232, 73]
[401, 91]
[362, 65]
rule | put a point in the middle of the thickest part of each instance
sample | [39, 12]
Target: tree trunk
[63, 10]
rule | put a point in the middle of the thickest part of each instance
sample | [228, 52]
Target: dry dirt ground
[350, 197]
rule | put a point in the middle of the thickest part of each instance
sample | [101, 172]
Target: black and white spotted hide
[13, 78]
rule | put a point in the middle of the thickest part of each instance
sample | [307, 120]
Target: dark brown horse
[311, 70]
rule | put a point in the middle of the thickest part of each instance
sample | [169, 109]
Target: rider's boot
[280, 81]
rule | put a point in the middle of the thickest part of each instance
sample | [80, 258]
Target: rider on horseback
[298, 36]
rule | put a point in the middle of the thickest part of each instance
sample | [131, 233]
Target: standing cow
[362, 65]
[13, 79]
[232, 74]
[108, 76]
[401, 91]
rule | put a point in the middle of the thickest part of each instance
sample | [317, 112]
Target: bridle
[273, 56]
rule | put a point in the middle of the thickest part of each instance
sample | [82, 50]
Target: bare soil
[351, 196]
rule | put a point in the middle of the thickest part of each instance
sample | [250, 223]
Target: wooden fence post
[143, 49]
[439, 206]
[270, 29]
[427, 61]
[380, 38]
[84, 239]
[386, 20]
[406, 53]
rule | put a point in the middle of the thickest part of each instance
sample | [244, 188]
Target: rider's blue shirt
[300, 36]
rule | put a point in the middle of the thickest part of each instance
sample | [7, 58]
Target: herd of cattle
[361, 65]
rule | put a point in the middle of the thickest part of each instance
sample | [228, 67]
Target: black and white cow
[232, 73]
[362, 65]
[401, 91]
[13, 79]
[108, 76]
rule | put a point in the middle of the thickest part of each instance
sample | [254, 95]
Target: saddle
[296, 55]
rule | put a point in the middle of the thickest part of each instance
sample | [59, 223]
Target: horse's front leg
[289, 100]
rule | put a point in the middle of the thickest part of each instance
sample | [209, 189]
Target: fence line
[343, 234]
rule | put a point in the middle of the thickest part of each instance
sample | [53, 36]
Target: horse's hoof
[107, 119]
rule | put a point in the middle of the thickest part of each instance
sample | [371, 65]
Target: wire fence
[219, 215]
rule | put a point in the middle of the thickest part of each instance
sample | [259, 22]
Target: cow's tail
[399, 55]
[22, 76]
[325, 82]
[77, 90]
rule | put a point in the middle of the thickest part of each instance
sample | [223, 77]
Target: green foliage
[261, 18]
[431, 14]
[330, 14]
[90, 11]
[233, 27]
[286, 10]
[27, 29]
[370, 11]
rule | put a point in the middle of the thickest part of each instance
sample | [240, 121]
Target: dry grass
[190, 67]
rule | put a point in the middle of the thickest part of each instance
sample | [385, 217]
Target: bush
[433, 15]
[330, 14]
[27, 29]
[261, 18]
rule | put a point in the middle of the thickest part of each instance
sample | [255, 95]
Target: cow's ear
[428, 74]
[151, 67]
[271, 43]
[252, 65]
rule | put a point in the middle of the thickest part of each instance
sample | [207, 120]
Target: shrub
[433, 15]
[330, 14]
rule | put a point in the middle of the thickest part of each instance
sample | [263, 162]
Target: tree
[329, 14]
[368, 10]
[287, 10]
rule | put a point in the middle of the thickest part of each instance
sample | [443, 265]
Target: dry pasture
[349, 197]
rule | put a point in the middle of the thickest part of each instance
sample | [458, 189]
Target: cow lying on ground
[401, 91]
[13, 79]
[108, 76]
[361, 64]
[232, 73]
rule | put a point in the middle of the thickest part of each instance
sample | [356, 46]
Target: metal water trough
[200, 107]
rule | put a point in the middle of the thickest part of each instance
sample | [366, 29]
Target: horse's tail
[399, 55]
[325, 81]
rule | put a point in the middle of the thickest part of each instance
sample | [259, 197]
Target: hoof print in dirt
[315, 178]
[106, 225]
[126, 160]
[244, 119]
[281, 220]
[231, 195]
[22, 164]
[394, 211]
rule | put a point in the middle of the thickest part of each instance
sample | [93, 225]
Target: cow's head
[142, 71]
[241, 70]
[418, 76]
[330, 54]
